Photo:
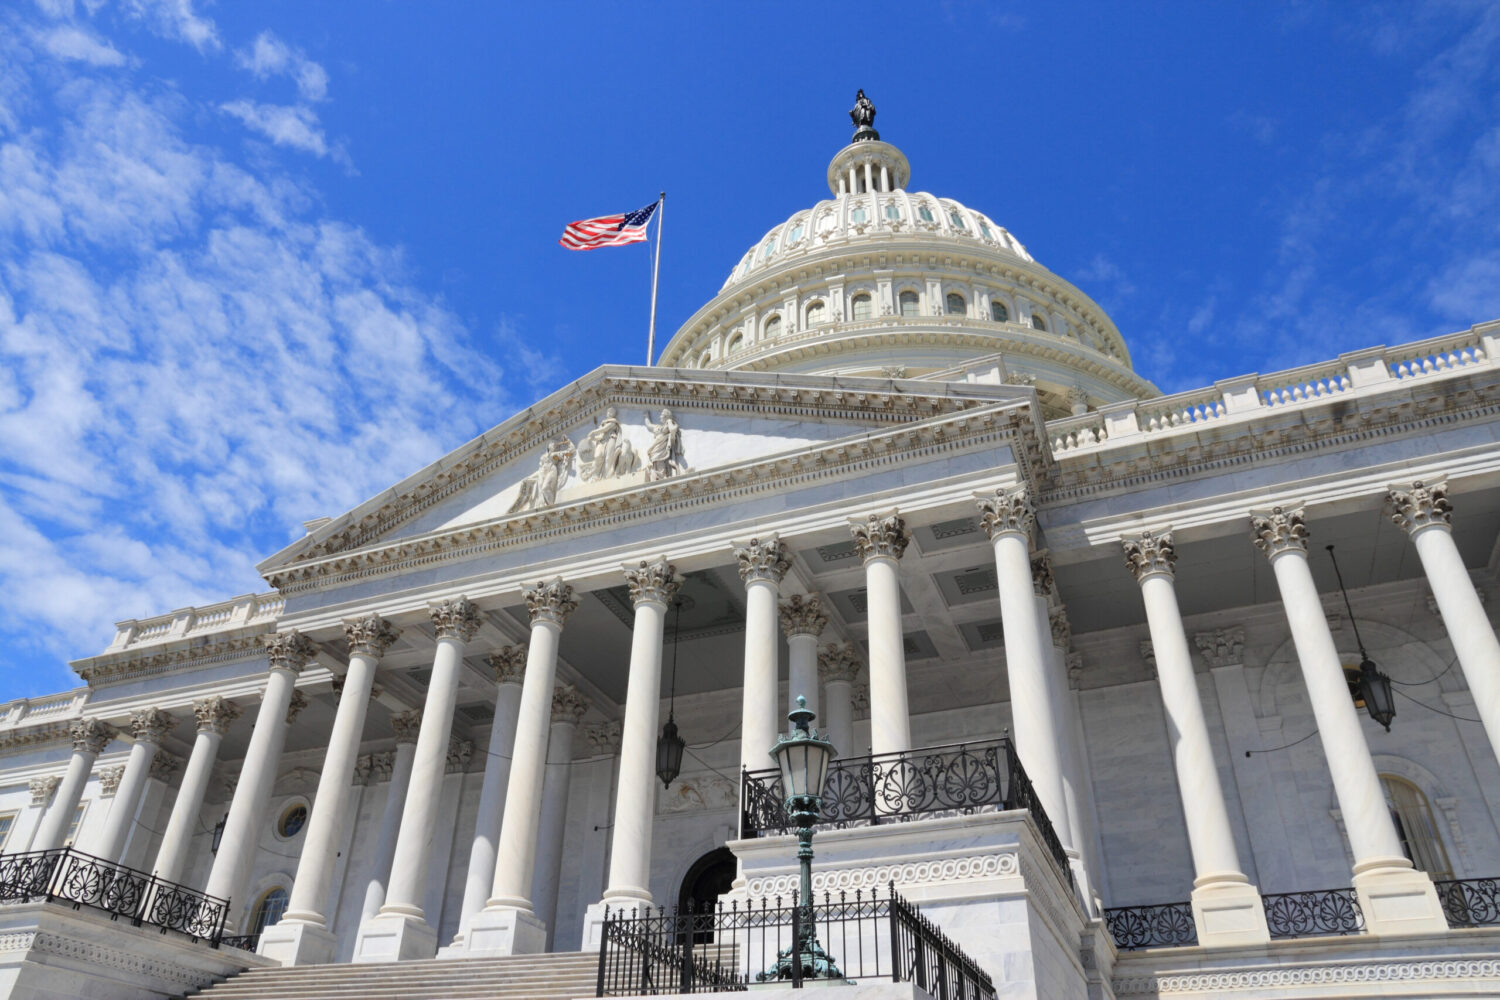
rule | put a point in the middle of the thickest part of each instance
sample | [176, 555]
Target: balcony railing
[954, 779]
[1288, 915]
[1472, 902]
[69, 876]
[1161, 925]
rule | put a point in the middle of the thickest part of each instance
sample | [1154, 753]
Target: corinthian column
[568, 707]
[149, 727]
[214, 716]
[406, 725]
[881, 539]
[802, 619]
[509, 665]
[90, 736]
[400, 930]
[838, 668]
[1394, 896]
[1426, 514]
[763, 563]
[288, 653]
[508, 925]
[302, 937]
[1226, 907]
[1008, 518]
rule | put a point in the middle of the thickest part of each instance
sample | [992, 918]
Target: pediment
[608, 435]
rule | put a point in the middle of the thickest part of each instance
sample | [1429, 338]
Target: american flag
[608, 230]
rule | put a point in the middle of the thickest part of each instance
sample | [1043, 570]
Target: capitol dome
[882, 281]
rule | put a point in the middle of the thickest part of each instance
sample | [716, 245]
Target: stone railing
[30, 711]
[1235, 398]
[234, 613]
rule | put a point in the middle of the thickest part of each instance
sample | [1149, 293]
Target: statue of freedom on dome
[863, 116]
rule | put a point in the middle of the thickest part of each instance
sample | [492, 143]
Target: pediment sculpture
[602, 454]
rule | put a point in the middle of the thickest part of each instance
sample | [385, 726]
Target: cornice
[1013, 421]
[38, 735]
[114, 668]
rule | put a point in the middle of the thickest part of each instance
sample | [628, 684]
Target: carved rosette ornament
[371, 635]
[652, 582]
[42, 788]
[215, 714]
[1419, 506]
[90, 735]
[456, 619]
[839, 662]
[1062, 629]
[604, 738]
[550, 602]
[762, 560]
[1148, 553]
[289, 650]
[1280, 530]
[109, 780]
[151, 725]
[295, 706]
[1008, 512]
[1223, 647]
[407, 725]
[567, 704]
[802, 615]
[164, 766]
[880, 536]
[508, 663]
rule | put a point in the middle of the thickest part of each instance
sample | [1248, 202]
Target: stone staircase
[559, 976]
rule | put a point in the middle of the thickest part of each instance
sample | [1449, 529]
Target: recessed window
[858, 215]
[984, 227]
[770, 248]
[795, 234]
[893, 211]
[815, 312]
[924, 213]
[956, 219]
[7, 823]
[956, 304]
[77, 822]
[861, 306]
[292, 820]
[705, 358]
[268, 909]
[1038, 323]
[910, 304]
[773, 326]
[1415, 826]
[735, 343]
[998, 312]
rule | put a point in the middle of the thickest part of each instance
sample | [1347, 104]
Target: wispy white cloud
[292, 125]
[269, 56]
[71, 42]
[177, 20]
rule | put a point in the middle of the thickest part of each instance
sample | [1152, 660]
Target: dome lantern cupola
[867, 164]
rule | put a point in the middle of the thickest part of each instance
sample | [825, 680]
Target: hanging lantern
[1375, 691]
[669, 745]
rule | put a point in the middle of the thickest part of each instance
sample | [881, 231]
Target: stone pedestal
[296, 942]
[1227, 910]
[505, 930]
[1397, 900]
[395, 937]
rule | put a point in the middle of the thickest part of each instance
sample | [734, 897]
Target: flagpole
[655, 270]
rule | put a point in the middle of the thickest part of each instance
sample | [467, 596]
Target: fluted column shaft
[762, 564]
[214, 716]
[509, 665]
[1425, 513]
[881, 539]
[90, 736]
[390, 818]
[567, 708]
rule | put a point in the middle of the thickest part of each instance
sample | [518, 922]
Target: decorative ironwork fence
[1163, 925]
[726, 949]
[895, 787]
[1470, 902]
[244, 942]
[1304, 914]
[70, 876]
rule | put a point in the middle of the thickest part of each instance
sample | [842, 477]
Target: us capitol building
[1099, 705]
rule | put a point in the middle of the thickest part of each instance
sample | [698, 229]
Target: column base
[505, 930]
[1227, 910]
[1398, 899]
[394, 937]
[298, 942]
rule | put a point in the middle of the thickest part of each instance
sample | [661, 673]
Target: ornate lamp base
[815, 962]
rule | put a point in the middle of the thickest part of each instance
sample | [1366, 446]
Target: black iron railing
[895, 787]
[725, 949]
[1306, 914]
[1162, 925]
[70, 876]
[1470, 902]
[245, 942]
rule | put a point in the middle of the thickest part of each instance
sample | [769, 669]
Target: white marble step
[523, 977]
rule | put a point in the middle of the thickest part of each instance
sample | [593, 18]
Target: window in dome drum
[861, 307]
[858, 215]
[956, 304]
[925, 213]
[956, 219]
[909, 304]
[998, 312]
[892, 212]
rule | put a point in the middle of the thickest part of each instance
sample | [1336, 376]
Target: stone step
[561, 976]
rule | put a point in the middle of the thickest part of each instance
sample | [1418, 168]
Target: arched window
[773, 326]
[861, 306]
[1415, 826]
[735, 343]
[815, 312]
[268, 910]
[910, 304]
[292, 820]
[998, 312]
[1038, 323]
[956, 304]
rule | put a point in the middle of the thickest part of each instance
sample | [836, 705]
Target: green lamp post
[803, 757]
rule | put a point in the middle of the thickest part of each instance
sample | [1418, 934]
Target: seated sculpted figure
[540, 488]
[604, 453]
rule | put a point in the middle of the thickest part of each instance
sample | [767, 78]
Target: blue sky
[260, 260]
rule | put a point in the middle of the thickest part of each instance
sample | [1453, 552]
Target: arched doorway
[708, 878]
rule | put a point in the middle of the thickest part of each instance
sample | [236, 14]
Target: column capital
[1008, 512]
[652, 582]
[508, 663]
[1041, 574]
[90, 735]
[839, 662]
[150, 725]
[604, 737]
[164, 765]
[109, 780]
[407, 725]
[802, 615]
[214, 714]
[42, 788]
[1062, 629]
[1223, 647]
[550, 601]
[1150, 553]
[762, 559]
[295, 706]
[880, 536]
[289, 650]
[456, 619]
[1419, 506]
[567, 704]
[370, 635]
[1279, 530]
[460, 755]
